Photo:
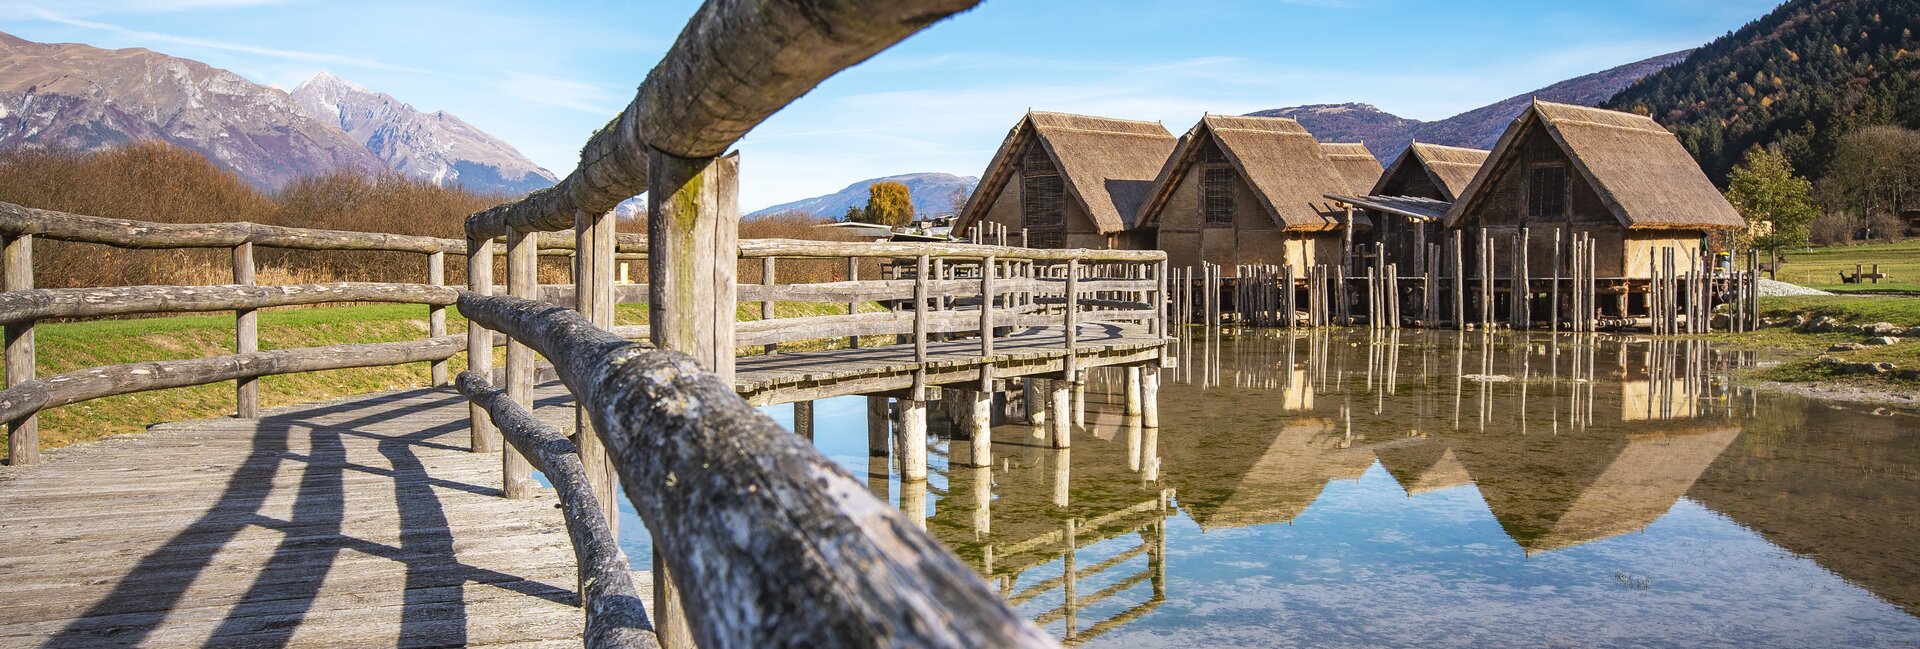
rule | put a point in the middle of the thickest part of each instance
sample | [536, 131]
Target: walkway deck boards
[357, 523]
[352, 524]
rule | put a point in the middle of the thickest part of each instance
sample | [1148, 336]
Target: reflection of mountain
[1556, 491]
[1844, 500]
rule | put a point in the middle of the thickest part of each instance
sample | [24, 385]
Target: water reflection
[1427, 488]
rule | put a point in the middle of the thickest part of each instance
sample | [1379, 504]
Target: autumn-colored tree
[888, 203]
[1777, 204]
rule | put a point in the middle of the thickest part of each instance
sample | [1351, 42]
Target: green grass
[1820, 267]
[1898, 309]
[1798, 351]
[67, 347]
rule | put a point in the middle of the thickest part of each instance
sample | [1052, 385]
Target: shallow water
[1436, 490]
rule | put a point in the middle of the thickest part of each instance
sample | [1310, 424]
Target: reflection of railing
[1070, 540]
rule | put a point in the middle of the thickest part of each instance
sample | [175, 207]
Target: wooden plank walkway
[362, 522]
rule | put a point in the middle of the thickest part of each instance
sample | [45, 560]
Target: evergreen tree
[853, 215]
[889, 203]
[1777, 204]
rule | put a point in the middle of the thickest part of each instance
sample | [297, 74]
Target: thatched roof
[1288, 170]
[1355, 163]
[1107, 165]
[1451, 168]
[1637, 167]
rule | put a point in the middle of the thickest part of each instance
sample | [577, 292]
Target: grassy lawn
[67, 347]
[1897, 309]
[1820, 267]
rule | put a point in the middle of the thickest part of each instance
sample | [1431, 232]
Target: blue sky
[544, 75]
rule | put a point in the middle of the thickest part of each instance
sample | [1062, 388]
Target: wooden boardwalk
[362, 522]
[358, 523]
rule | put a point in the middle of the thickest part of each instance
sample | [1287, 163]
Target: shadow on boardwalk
[362, 522]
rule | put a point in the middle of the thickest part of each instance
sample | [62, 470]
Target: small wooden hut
[1619, 177]
[1247, 190]
[1411, 197]
[1070, 181]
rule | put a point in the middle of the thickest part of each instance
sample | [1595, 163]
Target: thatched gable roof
[1107, 165]
[1355, 163]
[1451, 168]
[1637, 167]
[1288, 170]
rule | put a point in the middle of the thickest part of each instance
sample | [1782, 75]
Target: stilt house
[1619, 177]
[1247, 190]
[1411, 197]
[1071, 181]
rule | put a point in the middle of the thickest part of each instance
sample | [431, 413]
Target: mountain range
[1387, 135]
[933, 195]
[74, 96]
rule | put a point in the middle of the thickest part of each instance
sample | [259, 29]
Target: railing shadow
[284, 590]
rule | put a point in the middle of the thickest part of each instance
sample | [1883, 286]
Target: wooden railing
[21, 306]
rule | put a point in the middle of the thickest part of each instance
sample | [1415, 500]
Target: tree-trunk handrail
[24, 399]
[615, 616]
[734, 64]
[769, 542]
[49, 303]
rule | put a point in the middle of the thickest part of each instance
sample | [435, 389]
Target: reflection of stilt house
[1618, 177]
[1246, 190]
[1577, 488]
[1070, 181]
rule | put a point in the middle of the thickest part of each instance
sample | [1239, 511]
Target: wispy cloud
[294, 55]
[560, 92]
[124, 7]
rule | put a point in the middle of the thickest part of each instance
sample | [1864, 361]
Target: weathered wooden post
[1071, 326]
[23, 434]
[877, 427]
[523, 281]
[913, 410]
[482, 436]
[693, 236]
[593, 297]
[1059, 413]
[981, 405]
[437, 314]
[853, 275]
[1459, 282]
[246, 335]
[693, 230]
[1150, 395]
[1135, 392]
[803, 419]
[766, 305]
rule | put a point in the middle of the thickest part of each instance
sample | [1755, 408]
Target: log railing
[21, 306]
[769, 543]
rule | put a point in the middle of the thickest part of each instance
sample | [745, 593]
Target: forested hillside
[1804, 77]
